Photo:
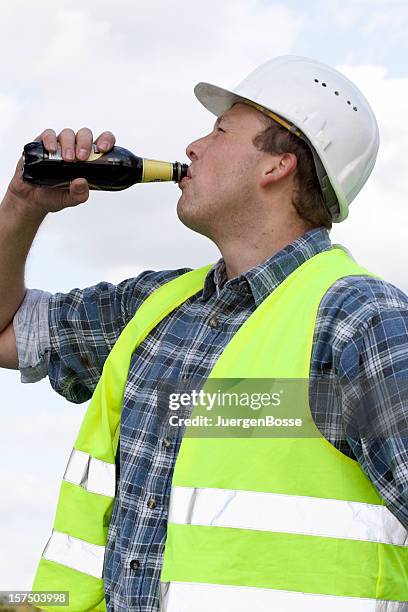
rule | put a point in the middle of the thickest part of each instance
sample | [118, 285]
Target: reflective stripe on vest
[292, 518]
[92, 474]
[74, 553]
[200, 597]
[286, 513]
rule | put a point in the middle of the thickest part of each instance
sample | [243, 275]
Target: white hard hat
[332, 114]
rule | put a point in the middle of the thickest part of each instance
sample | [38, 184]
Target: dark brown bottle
[118, 169]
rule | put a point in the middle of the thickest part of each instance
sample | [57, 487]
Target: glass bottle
[113, 171]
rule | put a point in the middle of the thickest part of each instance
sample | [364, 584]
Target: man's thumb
[78, 192]
[80, 185]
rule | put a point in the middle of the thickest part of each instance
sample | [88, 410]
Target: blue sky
[357, 32]
[130, 67]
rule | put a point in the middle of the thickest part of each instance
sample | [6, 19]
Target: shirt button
[214, 322]
[185, 378]
[151, 504]
[166, 442]
[134, 564]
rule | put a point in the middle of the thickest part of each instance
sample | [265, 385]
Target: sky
[130, 67]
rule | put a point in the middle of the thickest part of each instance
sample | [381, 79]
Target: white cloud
[378, 222]
[9, 111]
[33, 457]
[75, 36]
[131, 68]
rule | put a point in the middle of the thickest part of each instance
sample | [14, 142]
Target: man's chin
[185, 212]
[185, 209]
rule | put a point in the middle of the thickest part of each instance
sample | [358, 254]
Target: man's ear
[277, 167]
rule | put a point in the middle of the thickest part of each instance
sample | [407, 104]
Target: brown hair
[307, 198]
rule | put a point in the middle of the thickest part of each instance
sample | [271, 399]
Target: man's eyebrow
[218, 120]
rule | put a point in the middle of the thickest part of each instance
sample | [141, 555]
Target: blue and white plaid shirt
[361, 334]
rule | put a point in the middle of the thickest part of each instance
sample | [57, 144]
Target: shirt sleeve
[84, 325]
[373, 377]
[30, 324]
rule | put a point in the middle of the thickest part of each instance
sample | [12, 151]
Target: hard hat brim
[218, 100]
[215, 99]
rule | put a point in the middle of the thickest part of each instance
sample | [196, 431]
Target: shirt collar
[261, 280]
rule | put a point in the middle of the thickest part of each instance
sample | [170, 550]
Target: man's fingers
[49, 139]
[105, 141]
[77, 146]
[83, 143]
[67, 140]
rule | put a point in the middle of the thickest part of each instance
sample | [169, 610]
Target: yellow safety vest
[263, 523]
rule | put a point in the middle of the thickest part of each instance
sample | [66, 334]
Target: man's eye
[220, 130]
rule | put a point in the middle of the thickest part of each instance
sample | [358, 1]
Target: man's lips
[186, 179]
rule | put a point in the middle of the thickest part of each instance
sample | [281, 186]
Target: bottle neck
[154, 171]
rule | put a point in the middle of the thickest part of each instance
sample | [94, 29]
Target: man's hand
[73, 147]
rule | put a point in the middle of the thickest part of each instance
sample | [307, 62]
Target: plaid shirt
[361, 334]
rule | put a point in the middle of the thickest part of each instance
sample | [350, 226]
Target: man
[322, 522]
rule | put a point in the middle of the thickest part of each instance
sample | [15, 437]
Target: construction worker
[148, 519]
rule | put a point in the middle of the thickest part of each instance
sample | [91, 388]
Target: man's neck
[242, 255]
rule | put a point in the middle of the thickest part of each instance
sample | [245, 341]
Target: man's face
[224, 174]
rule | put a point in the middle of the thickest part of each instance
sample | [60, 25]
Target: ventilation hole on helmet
[348, 102]
[355, 108]
[316, 80]
[324, 85]
[336, 93]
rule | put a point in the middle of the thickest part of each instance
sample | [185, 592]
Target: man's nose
[195, 148]
[191, 151]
